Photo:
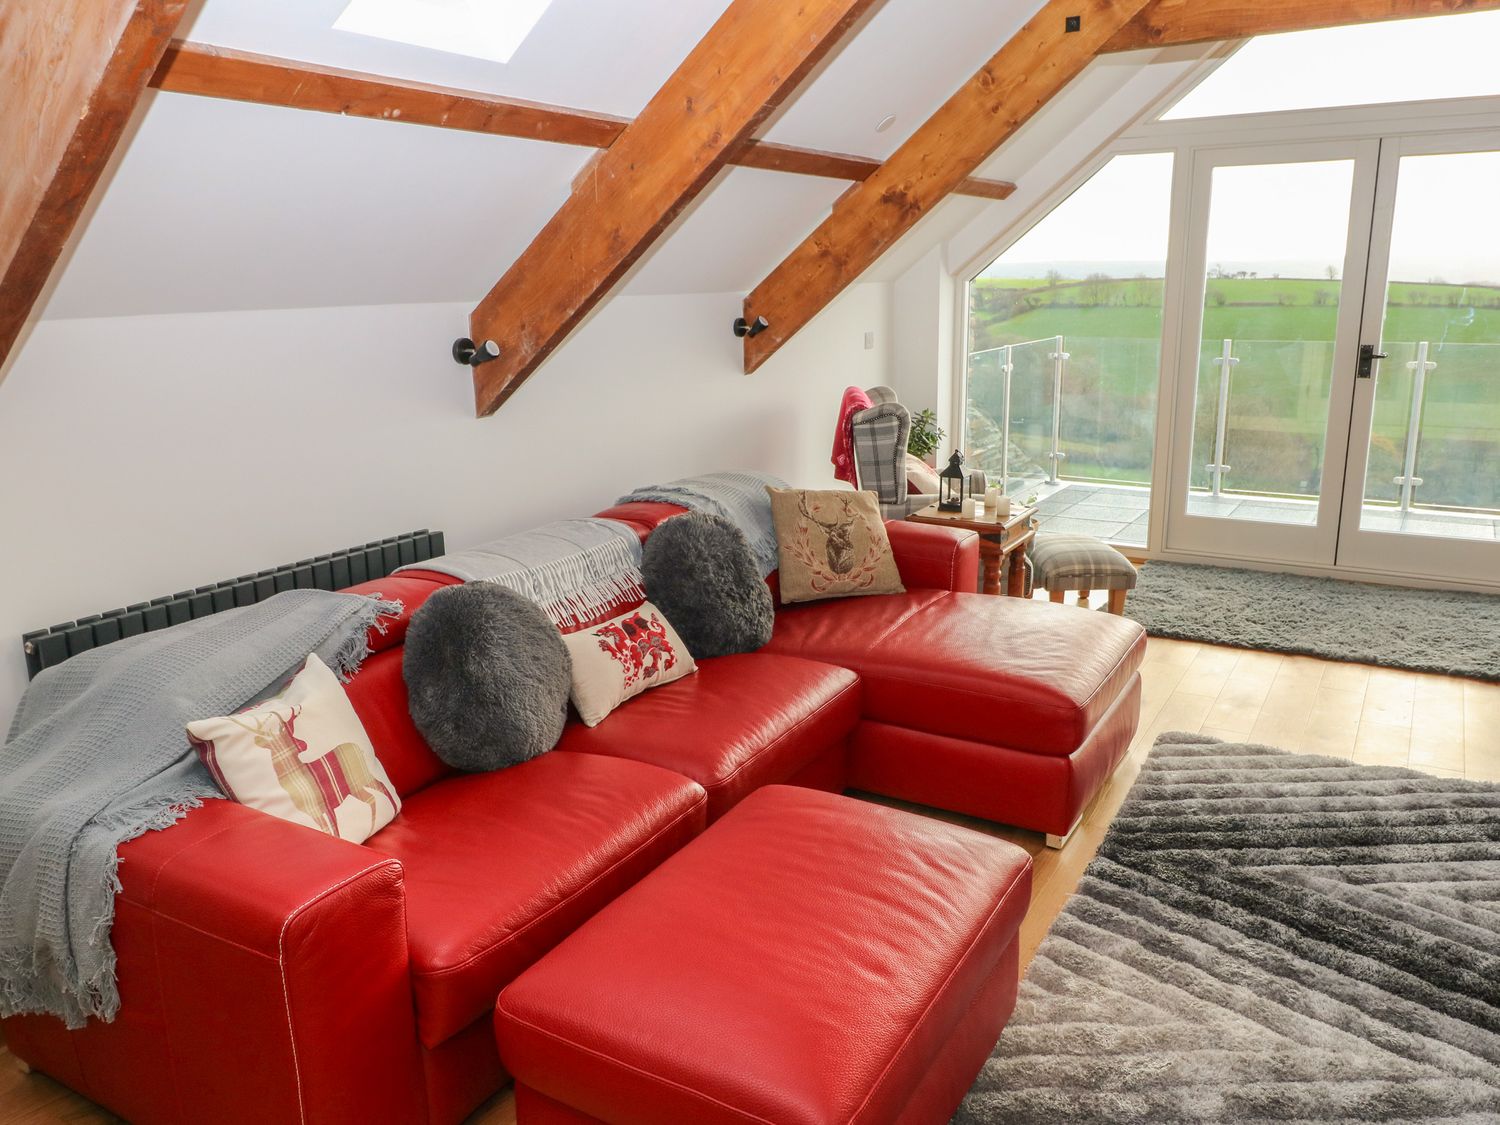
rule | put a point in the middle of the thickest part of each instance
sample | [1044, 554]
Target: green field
[1007, 311]
[1282, 330]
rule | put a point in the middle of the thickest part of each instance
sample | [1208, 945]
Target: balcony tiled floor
[1447, 524]
[1114, 513]
[1117, 513]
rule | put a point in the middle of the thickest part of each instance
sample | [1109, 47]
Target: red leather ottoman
[811, 959]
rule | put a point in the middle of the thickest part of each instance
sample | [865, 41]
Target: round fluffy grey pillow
[699, 572]
[487, 677]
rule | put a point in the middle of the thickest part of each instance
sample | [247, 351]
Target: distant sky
[1121, 215]
[1397, 61]
[1281, 212]
[1447, 223]
[1293, 218]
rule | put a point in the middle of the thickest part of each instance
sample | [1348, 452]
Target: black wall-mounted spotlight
[470, 354]
[743, 327]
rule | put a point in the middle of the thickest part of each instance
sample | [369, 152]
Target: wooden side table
[1002, 543]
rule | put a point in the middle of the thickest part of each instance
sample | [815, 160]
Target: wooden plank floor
[1378, 716]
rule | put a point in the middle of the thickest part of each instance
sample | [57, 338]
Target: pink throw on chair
[854, 401]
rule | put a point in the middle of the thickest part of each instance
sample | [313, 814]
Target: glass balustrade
[1069, 420]
[1258, 426]
[1434, 464]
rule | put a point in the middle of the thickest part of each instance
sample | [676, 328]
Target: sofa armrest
[935, 558]
[278, 962]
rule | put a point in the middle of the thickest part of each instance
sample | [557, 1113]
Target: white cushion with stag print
[302, 755]
[623, 657]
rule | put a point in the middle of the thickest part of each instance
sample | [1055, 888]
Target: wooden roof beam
[840, 166]
[1029, 70]
[1167, 23]
[241, 76]
[73, 72]
[1038, 61]
[755, 54]
[216, 72]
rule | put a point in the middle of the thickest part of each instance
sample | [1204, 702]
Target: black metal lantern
[952, 484]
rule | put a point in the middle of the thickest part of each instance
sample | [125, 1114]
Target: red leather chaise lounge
[270, 973]
[1001, 708]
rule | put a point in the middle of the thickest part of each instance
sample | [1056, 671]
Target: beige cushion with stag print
[622, 657]
[832, 545]
[302, 755]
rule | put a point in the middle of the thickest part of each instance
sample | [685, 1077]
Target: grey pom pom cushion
[487, 676]
[700, 572]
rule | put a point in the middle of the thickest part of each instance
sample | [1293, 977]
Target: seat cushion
[1004, 671]
[501, 866]
[742, 722]
[1043, 792]
[803, 962]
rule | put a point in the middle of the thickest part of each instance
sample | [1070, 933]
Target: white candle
[1002, 508]
[968, 510]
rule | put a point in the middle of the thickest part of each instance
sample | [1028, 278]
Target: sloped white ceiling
[219, 205]
[605, 55]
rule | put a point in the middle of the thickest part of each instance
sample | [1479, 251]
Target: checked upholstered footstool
[1061, 562]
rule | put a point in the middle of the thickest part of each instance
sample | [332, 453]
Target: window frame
[1184, 139]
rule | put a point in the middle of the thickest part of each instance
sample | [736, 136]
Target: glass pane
[1065, 353]
[1449, 56]
[1276, 241]
[1434, 466]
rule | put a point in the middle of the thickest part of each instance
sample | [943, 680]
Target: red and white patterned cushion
[622, 657]
[302, 755]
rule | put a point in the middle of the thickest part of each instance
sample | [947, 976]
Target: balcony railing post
[1408, 480]
[1059, 360]
[1226, 362]
[1006, 367]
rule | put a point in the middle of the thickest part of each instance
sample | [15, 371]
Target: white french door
[1422, 483]
[1293, 440]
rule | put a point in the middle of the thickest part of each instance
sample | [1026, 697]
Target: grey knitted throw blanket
[739, 497]
[573, 569]
[97, 755]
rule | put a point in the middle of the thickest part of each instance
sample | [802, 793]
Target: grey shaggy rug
[1422, 630]
[1267, 937]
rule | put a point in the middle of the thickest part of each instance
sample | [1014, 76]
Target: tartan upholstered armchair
[880, 434]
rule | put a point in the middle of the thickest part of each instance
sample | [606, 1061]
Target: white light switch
[869, 341]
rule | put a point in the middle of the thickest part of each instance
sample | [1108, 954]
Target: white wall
[922, 326]
[142, 455]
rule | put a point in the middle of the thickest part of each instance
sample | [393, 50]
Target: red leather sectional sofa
[269, 973]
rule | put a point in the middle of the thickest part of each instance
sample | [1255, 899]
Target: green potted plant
[925, 437]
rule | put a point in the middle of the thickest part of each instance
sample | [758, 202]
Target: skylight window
[1450, 56]
[481, 29]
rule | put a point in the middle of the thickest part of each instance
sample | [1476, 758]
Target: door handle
[1367, 357]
